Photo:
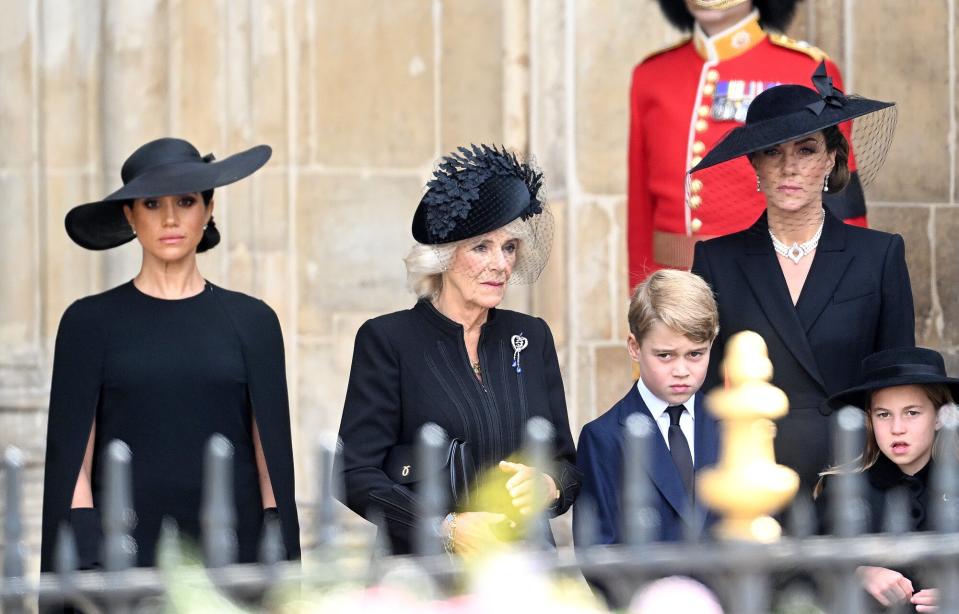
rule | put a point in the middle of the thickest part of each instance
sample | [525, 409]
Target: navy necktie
[679, 447]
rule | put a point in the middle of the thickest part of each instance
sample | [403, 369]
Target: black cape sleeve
[74, 395]
[263, 354]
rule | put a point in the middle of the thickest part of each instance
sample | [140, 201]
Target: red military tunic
[683, 100]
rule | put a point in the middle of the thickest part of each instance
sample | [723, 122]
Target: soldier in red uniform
[683, 100]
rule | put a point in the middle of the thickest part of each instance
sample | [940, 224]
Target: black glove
[85, 522]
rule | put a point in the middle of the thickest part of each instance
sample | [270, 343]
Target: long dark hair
[836, 142]
[211, 236]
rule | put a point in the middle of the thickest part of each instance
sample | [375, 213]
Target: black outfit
[881, 479]
[164, 376]
[856, 300]
[411, 367]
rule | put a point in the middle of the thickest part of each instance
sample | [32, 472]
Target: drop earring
[825, 183]
[758, 187]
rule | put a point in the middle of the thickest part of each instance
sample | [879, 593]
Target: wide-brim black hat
[894, 367]
[159, 168]
[788, 112]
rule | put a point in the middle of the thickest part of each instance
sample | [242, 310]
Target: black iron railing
[748, 577]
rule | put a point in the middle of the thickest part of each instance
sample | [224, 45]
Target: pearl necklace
[798, 251]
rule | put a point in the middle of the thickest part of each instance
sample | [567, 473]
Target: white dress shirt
[657, 407]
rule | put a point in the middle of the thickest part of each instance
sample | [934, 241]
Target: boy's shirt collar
[657, 407]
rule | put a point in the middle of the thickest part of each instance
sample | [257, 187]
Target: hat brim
[857, 396]
[101, 225]
[747, 139]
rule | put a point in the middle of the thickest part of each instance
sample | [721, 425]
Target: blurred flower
[675, 594]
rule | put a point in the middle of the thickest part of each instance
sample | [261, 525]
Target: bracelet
[450, 521]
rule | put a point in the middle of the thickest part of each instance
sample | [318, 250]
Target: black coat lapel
[769, 287]
[831, 261]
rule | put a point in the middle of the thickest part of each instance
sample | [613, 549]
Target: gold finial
[747, 485]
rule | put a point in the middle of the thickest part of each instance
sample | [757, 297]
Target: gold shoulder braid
[782, 40]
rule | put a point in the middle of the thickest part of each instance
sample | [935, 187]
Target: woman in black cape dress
[164, 362]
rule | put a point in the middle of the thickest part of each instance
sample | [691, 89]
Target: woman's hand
[926, 600]
[475, 532]
[887, 586]
[523, 488]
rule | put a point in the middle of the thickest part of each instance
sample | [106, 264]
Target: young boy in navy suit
[673, 321]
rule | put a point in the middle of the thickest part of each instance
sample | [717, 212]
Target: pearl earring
[825, 183]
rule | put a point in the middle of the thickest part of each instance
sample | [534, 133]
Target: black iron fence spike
[218, 514]
[430, 446]
[539, 452]
[116, 513]
[641, 520]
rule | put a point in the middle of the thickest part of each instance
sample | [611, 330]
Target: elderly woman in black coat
[457, 360]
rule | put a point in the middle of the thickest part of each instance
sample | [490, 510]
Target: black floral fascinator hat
[789, 112]
[893, 367]
[158, 168]
[479, 189]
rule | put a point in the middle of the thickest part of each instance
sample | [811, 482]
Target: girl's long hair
[938, 394]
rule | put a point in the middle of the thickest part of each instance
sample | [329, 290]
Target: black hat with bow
[162, 167]
[788, 112]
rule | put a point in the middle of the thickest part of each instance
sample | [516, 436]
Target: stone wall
[358, 99]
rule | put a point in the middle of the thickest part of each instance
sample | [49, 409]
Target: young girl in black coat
[902, 391]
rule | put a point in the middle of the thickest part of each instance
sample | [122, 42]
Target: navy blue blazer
[599, 456]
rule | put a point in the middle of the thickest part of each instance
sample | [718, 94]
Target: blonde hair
[682, 301]
[425, 264]
[938, 394]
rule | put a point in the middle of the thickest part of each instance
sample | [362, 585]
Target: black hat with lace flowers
[479, 189]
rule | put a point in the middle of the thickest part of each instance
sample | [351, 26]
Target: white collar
[657, 406]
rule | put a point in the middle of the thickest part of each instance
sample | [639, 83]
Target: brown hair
[938, 395]
[836, 142]
[680, 300]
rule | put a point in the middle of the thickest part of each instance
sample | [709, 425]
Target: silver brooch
[519, 343]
